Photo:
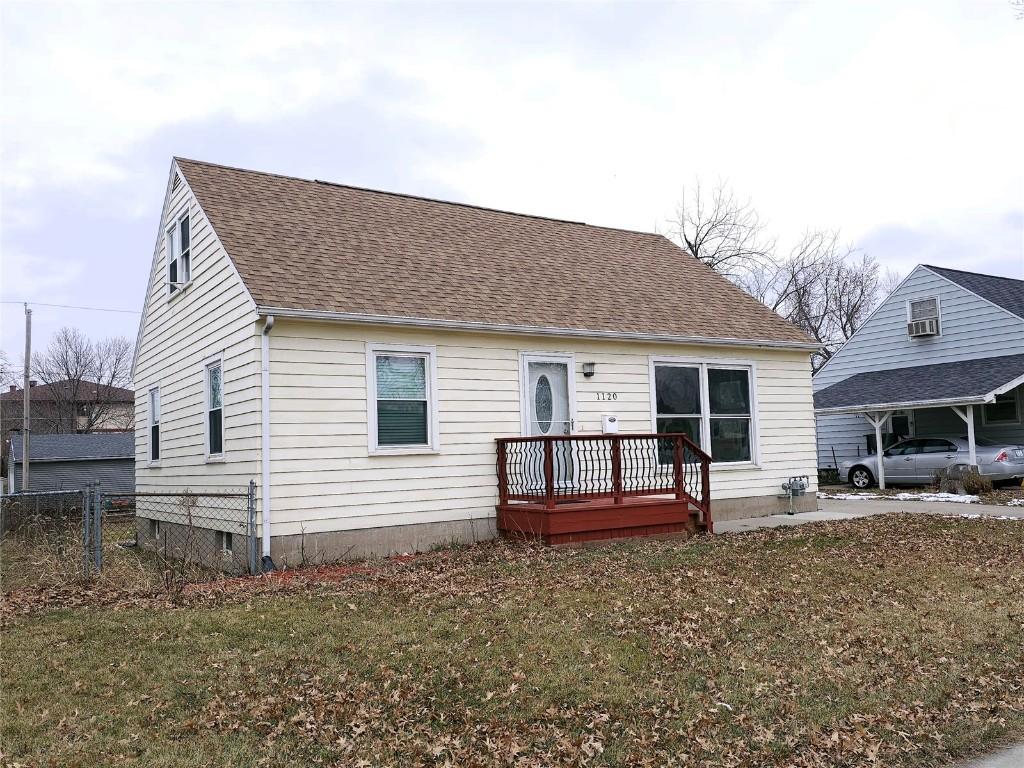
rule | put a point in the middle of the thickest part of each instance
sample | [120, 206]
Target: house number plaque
[607, 395]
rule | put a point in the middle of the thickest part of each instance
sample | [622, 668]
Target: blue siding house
[942, 354]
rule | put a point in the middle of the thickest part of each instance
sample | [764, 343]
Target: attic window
[179, 253]
[924, 309]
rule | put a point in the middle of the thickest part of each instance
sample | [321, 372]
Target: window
[224, 541]
[154, 424]
[401, 404]
[179, 253]
[214, 409]
[936, 445]
[924, 309]
[1005, 409]
[154, 529]
[710, 403]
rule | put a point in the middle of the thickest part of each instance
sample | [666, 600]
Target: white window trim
[207, 365]
[429, 353]
[525, 358]
[938, 309]
[150, 424]
[1020, 407]
[183, 211]
[703, 363]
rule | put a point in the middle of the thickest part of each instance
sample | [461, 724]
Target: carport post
[877, 419]
[967, 414]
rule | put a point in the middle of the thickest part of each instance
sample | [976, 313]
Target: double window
[154, 424]
[179, 253]
[401, 401]
[215, 409]
[710, 403]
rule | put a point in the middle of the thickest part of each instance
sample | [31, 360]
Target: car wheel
[861, 477]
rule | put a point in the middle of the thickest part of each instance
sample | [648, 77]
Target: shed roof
[961, 383]
[72, 447]
[315, 247]
[1005, 292]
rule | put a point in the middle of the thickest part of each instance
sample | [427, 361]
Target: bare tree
[85, 382]
[821, 285]
[721, 230]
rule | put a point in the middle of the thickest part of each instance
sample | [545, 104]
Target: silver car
[917, 460]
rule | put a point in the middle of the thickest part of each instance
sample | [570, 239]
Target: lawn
[890, 640]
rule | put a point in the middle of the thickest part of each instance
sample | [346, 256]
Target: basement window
[224, 542]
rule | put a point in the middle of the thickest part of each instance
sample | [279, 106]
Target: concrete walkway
[1006, 758]
[843, 509]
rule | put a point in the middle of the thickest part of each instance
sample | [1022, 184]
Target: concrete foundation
[203, 547]
[316, 548]
[759, 506]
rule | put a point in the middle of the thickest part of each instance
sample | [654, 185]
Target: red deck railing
[553, 471]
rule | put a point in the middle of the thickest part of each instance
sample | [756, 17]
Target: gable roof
[962, 382]
[90, 391]
[71, 447]
[1005, 292]
[325, 249]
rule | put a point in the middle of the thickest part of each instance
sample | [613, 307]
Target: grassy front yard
[892, 640]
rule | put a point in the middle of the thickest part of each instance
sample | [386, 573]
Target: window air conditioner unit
[928, 327]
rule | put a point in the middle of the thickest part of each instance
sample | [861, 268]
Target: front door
[548, 407]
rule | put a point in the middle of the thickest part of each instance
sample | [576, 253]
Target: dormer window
[923, 317]
[179, 253]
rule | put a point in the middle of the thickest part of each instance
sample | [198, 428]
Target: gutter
[914, 404]
[536, 330]
[268, 324]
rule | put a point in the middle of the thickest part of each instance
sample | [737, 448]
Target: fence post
[86, 539]
[677, 465]
[97, 530]
[251, 522]
[616, 469]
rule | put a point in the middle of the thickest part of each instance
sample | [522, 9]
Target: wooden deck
[564, 490]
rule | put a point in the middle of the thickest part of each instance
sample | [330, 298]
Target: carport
[961, 386]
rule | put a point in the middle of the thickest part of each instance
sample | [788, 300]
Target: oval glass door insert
[542, 403]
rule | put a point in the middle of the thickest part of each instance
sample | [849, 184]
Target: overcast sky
[898, 123]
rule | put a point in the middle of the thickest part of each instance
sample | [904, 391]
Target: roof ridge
[970, 272]
[424, 198]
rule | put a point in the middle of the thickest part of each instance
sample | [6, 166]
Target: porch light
[588, 369]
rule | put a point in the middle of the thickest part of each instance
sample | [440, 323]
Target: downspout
[268, 324]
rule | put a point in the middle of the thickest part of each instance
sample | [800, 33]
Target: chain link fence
[42, 538]
[140, 539]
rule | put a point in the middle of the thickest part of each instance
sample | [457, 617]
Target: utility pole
[26, 422]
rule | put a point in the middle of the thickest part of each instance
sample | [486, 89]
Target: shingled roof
[962, 382]
[318, 247]
[1005, 292]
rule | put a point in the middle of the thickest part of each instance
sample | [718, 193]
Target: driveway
[844, 509]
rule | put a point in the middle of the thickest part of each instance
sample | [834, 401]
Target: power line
[70, 306]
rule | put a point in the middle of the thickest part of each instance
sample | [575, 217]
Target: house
[360, 353]
[942, 355]
[62, 407]
[72, 461]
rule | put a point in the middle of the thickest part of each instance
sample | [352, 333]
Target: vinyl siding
[323, 478]
[971, 328]
[212, 316]
[113, 475]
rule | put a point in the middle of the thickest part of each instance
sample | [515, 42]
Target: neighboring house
[359, 352]
[70, 462]
[942, 355]
[65, 407]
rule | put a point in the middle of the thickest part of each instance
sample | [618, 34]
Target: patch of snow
[842, 496]
[990, 517]
[1010, 503]
[905, 496]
